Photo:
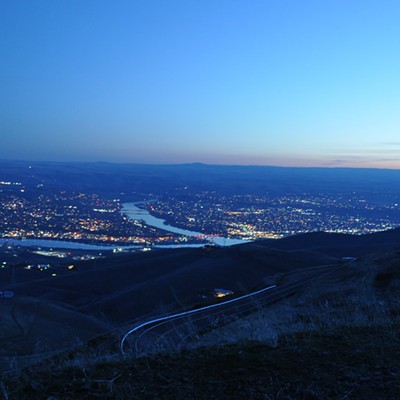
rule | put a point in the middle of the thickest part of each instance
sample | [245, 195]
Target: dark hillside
[127, 287]
[352, 363]
[338, 245]
[105, 294]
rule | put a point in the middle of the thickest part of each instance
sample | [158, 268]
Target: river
[56, 244]
[136, 213]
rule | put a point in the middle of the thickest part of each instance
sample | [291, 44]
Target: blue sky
[285, 82]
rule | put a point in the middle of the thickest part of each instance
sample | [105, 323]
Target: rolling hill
[102, 296]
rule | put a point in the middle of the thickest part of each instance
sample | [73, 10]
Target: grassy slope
[337, 341]
[352, 363]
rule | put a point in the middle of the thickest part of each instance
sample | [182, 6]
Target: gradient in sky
[284, 82]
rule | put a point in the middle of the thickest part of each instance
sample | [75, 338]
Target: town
[254, 217]
[88, 217]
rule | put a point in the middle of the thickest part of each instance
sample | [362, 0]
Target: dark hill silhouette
[111, 292]
[128, 287]
[337, 244]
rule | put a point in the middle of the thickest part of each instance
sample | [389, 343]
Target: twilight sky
[269, 82]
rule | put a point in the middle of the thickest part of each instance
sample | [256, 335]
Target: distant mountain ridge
[129, 178]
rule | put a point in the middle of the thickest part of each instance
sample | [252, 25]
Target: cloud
[383, 151]
[390, 143]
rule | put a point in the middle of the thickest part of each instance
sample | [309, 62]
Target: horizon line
[199, 163]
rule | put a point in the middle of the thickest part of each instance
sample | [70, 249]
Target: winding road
[176, 330]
